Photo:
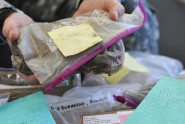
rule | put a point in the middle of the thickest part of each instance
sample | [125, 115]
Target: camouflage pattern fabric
[46, 10]
[146, 39]
[4, 4]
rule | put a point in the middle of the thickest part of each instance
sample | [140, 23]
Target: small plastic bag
[80, 101]
[37, 50]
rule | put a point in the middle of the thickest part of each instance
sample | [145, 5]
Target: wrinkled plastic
[134, 87]
[157, 65]
[35, 47]
[79, 101]
[4, 98]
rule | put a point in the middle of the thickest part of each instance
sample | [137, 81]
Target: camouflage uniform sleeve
[142, 40]
[4, 4]
[5, 10]
[78, 2]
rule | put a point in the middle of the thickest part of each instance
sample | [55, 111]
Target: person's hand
[114, 8]
[11, 29]
[12, 25]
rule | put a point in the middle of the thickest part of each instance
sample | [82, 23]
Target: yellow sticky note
[133, 65]
[72, 40]
[130, 64]
[115, 78]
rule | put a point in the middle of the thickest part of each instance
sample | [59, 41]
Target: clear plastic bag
[79, 101]
[157, 65]
[35, 47]
[134, 87]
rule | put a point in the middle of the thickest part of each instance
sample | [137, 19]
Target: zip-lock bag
[80, 101]
[36, 49]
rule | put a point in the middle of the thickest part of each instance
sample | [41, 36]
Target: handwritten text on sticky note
[72, 40]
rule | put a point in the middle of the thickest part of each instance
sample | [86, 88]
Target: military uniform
[145, 39]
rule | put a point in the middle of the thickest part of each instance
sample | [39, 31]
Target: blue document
[31, 109]
[165, 104]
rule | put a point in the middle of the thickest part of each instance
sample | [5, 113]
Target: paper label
[101, 119]
[107, 118]
[80, 103]
[72, 40]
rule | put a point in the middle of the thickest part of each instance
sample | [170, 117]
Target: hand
[11, 29]
[114, 8]
[12, 25]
